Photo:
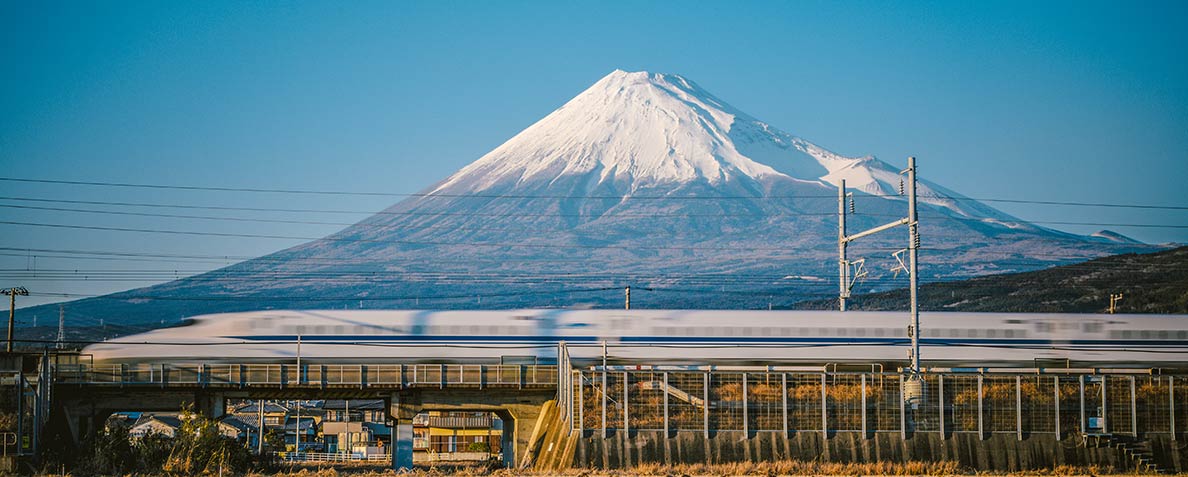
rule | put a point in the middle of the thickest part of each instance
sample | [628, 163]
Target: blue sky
[1066, 101]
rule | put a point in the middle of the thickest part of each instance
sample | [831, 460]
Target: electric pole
[61, 325]
[1114, 299]
[913, 248]
[12, 294]
[843, 266]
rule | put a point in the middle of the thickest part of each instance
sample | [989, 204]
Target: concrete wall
[1002, 452]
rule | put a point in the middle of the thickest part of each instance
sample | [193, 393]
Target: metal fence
[310, 375]
[601, 402]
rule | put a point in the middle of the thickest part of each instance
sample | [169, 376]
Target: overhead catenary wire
[535, 196]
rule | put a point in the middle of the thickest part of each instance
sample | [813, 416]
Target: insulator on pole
[852, 204]
[900, 186]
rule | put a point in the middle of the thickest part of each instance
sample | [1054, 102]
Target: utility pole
[12, 294]
[61, 325]
[843, 266]
[913, 251]
[627, 304]
[1114, 299]
[260, 429]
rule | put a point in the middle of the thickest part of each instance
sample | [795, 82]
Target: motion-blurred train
[656, 337]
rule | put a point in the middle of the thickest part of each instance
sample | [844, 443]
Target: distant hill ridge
[1149, 283]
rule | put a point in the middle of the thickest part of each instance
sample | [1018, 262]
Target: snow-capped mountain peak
[633, 126]
[640, 130]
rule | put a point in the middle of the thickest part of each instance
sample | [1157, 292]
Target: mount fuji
[642, 180]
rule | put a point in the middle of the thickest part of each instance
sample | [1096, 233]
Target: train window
[991, 333]
[727, 331]
[301, 330]
[765, 331]
[453, 330]
[841, 331]
[785, 331]
[1008, 333]
[860, 332]
[1182, 335]
[321, 330]
[1127, 334]
[1163, 334]
[1146, 334]
[880, 332]
[338, 329]
[1091, 327]
[971, 333]
[822, 331]
[900, 332]
[748, 331]
[1043, 327]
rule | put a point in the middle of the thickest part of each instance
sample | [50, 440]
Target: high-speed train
[655, 337]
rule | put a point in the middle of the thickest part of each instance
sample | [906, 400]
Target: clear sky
[1067, 101]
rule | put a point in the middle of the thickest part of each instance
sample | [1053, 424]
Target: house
[274, 414]
[365, 410]
[303, 431]
[154, 425]
[439, 432]
[345, 437]
[166, 425]
[248, 432]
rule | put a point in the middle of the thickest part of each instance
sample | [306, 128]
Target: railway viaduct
[619, 416]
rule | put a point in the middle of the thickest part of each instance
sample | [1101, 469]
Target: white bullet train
[655, 337]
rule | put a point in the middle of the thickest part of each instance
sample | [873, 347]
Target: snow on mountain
[646, 129]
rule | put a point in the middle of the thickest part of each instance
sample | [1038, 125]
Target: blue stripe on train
[710, 340]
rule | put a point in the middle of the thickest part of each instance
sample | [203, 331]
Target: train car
[656, 337]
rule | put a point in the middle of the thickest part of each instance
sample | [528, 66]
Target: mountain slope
[1149, 283]
[644, 180]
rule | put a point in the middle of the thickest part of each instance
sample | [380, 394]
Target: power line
[526, 196]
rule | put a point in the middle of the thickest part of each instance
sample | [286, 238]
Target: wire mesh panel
[1118, 404]
[925, 411]
[577, 401]
[765, 406]
[614, 400]
[592, 394]
[998, 394]
[804, 402]
[885, 407]
[646, 402]
[961, 399]
[1070, 404]
[1179, 390]
[726, 401]
[843, 394]
[686, 403]
[1094, 412]
[1038, 397]
[1153, 408]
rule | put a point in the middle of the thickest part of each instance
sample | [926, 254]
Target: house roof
[269, 408]
[355, 404]
[238, 423]
[171, 421]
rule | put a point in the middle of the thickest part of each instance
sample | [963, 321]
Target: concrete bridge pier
[401, 413]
